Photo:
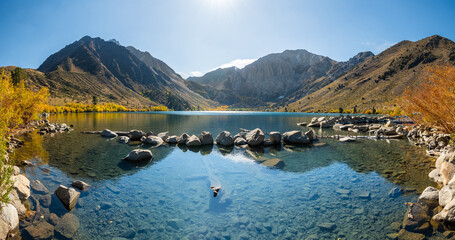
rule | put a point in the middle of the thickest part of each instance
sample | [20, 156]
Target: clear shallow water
[169, 198]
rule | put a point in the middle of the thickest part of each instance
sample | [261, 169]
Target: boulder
[240, 141]
[136, 135]
[172, 139]
[81, 185]
[9, 219]
[16, 170]
[153, 140]
[435, 176]
[255, 137]
[22, 186]
[17, 203]
[447, 214]
[310, 135]
[295, 137]
[68, 196]
[163, 135]
[182, 139]
[67, 225]
[150, 134]
[206, 138]
[108, 133]
[429, 197]
[275, 137]
[124, 139]
[447, 157]
[416, 216]
[193, 141]
[38, 187]
[225, 139]
[446, 194]
[447, 172]
[406, 235]
[42, 230]
[138, 155]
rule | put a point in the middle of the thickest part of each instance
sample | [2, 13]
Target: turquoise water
[170, 198]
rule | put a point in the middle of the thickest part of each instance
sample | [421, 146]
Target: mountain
[379, 80]
[274, 78]
[114, 73]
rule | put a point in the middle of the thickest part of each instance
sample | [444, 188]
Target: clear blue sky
[199, 35]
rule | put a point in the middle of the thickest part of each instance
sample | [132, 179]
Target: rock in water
[42, 230]
[22, 186]
[138, 155]
[9, 219]
[395, 192]
[206, 138]
[182, 139]
[275, 137]
[81, 185]
[224, 139]
[430, 196]
[163, 135]
[38, 187]
[172, 139]
[136, 135]
[67, 225]
[347, 139]
[152, 140]
[295, 137]
[255, 137]
[108, 133]
[193, 141]
[240, 141]
[310, 135]
[123, 139]
[68, 196]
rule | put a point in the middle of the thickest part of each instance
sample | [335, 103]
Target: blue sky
[199, 35]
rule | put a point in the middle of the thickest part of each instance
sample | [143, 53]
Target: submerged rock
[108, 133]
[416, 216]
[225, 139]
[138, 155]
[394, 192]
[67, 225]
[405, 235]
[327, 226]
[275, 162]
[68, 196]
[38, 187]
[42, 230]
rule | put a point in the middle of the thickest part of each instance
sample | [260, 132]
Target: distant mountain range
[292, 80]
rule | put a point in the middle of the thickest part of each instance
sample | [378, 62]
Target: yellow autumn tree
[433, 103]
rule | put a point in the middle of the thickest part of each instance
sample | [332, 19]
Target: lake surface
[329, 190]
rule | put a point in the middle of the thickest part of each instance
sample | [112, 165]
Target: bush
[433, 103]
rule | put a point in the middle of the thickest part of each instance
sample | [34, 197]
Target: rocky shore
[17, 216]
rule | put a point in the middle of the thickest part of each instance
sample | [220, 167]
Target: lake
[327, 190]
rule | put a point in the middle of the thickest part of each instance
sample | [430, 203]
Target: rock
[405, 235]
[136, 135]
[105, 205]
[310, 135]
[447, 172]
[38, 187]
[108, 133]
[172, 139]
[240, 141]
[45, 200]
[364, 195]
[16, 170]
[395, 226]
[416, 215]
[295, 137]
[343, 191]
[22, 186]
[182, 139]
[255, 137]
[54, 219]
[193, 141]
[150, 134]
[68, 225]
[42, 230]
[394, 192]
[225, 139]
[275, 137]
[9, 219]
[435, 176]
[447, 157]
[446, 194]
[163, 135]
[26, 163]
[124, 139]
[17, 203]
[138, 155]
[206, 138]
[327, 226]
[152, 140]
[68, 196]
[275, 163]
[347, 139]
[81, 185]
[430, 196]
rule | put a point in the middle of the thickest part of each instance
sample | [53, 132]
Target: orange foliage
[220, 108]
[433, 103]
[105, 107]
